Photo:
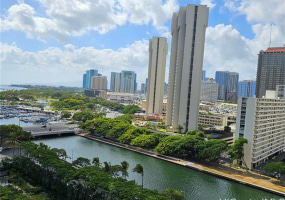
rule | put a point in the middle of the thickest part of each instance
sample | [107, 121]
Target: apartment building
[261, 121]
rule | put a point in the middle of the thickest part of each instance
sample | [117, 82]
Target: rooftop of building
[275, 49]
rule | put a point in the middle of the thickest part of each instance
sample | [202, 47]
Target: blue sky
[54, 42]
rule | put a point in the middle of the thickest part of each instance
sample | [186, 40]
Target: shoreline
[235, 176]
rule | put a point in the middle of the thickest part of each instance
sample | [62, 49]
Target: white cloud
[227, 49]
[69, 64]
[209, 3]
[66, 18]
[262, 14]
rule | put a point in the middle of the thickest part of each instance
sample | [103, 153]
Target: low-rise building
[212, 120]
[123, 98]
[261, 121]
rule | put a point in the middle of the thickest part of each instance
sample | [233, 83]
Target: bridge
[52, 130]
[54, 133]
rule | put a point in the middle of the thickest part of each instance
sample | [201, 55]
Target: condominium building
[188, 30]
[87, 77]
[209, 91]
[246, 88]
[115, 81]
[99, 83]
[261, 121]
[128, 82]
[158, 48]
[228, 85]
[270, 70]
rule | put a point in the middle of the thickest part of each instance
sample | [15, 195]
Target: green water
[159, 174]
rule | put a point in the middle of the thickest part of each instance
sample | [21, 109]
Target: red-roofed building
[270, 70]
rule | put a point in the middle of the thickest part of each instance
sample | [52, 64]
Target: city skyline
[48, 43]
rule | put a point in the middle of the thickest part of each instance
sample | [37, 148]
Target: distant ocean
[9, 87]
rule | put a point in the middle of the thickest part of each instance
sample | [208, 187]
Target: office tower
[115, 82]
[270, 70]
[246, 88]
[98, 83]
[228, 85]
[204, 75]
[84, 81]
[261, 122]
[158, 48]
[128, 82]
[209, 90]
[188, 29]
[143, 88]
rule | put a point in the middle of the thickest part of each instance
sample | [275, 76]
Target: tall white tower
[186, 61]
[158, 48]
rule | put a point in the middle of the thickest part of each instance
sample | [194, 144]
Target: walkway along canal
[159, 174]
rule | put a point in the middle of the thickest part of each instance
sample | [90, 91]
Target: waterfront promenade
[237, 175]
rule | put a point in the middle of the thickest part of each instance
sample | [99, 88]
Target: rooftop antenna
[270, 35]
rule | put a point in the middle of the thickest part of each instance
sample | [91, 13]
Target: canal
[159, 174]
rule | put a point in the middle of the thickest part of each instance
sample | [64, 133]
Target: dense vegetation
[193, 145]
[13, 133]
[276, 169]
[43, 167]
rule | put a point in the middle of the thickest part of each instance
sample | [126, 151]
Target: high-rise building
[115, 81]
[209, 90]
[188, 29]
[246, 88]
[270, 70]
[158, 48]
[228, 84]
[98, 83]
[84, 81]
[128, 82]
[204, 75]
[261, 121]
[143, 88]
[87, 77]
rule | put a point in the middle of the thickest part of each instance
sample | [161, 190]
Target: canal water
[159, 174]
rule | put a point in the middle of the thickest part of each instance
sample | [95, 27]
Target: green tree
[173, 194]
[227, 129]
[81, 162]
[131, 109]
[83, 116]
[139, 169]
[65, 114]
[96, 161]
[125, 167]
[237, 150]
[275, 168]
[127, 118]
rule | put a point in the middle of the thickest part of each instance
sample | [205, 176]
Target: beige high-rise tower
[158, 48]
[186, 61]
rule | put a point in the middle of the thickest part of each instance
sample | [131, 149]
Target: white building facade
[186, 61]
[158, 49]
[261, 121]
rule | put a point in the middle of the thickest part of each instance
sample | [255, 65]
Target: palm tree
[96, 161]
[125, 167]
[139, 169]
